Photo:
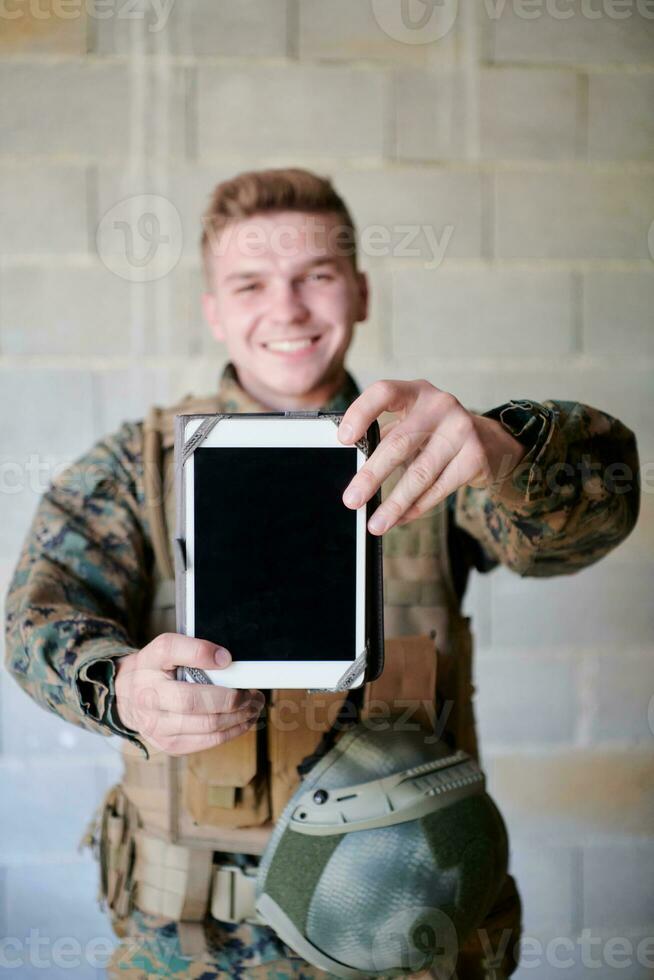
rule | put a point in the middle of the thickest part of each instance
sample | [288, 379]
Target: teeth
[290, 345]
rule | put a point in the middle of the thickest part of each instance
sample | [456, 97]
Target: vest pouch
[222, 787]
[405, 693]
[112, 836]
[297, 721]
[147, 785]
[171, 880]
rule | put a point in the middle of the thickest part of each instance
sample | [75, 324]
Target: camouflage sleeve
[573, 497]
[77, 594]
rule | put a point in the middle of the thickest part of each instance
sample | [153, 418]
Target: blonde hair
[260, 191]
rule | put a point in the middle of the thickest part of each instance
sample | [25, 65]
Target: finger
[434, 411]
[378, 397]
[187, 744]
[420, 477]
[457, 473]
[199, 699]
[396, 449]
[167, 723]
[171, 650]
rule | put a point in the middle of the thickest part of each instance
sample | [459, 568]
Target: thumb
[171, 650]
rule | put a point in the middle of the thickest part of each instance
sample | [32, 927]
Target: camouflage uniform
[82, 591]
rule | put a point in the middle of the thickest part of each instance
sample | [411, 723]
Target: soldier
[89, 632]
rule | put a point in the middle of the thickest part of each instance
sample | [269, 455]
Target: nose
[287, 305]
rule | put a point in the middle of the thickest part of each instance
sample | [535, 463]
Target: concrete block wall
[499, 160]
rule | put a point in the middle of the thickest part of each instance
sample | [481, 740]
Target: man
[525, 485]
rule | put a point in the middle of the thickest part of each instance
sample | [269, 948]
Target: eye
[320, 275]
[250, 287]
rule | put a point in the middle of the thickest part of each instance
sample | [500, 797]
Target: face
[285, 301]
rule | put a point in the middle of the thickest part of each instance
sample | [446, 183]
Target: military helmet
[388, 855]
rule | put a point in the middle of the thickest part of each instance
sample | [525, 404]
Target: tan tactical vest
[227, 798]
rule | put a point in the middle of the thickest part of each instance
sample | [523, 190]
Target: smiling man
[284, 304]
[90, 625]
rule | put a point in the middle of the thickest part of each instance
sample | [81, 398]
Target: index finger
[380, 396]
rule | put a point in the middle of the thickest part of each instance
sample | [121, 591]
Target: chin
[300, 374]
[289, 385]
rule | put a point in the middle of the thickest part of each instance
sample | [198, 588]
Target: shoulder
[115, 458]
[118, 457]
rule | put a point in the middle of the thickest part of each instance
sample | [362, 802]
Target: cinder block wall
[499, 159]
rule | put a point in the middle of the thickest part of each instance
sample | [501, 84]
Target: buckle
[233, 894]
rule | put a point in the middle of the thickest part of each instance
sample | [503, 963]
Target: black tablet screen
[275, 552]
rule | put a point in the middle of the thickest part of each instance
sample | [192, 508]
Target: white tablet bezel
[268, 432]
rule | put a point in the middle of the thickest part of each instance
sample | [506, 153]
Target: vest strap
[192, 938]
[154, 492]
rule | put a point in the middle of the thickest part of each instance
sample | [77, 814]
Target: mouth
[293, 347]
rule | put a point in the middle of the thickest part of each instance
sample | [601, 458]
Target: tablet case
[371, 659]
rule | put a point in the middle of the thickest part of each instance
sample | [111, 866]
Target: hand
[444, 445]
[179, 717]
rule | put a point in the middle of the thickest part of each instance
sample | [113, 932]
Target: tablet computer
[270, 563]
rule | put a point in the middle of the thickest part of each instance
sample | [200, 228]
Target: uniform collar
[234, 398]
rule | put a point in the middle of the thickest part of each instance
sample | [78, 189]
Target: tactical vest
[227, 799]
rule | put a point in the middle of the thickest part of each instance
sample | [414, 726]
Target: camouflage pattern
[82, 591]
[152, 948]
[573, 497]
[81, 586]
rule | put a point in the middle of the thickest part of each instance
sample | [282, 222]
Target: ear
[363, 297]
[210, 310]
